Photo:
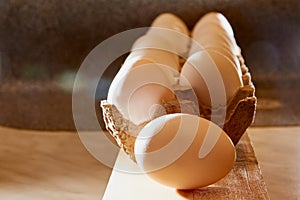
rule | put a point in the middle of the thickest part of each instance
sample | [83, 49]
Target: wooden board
[48, 165]
[278, 152]
[245, 181]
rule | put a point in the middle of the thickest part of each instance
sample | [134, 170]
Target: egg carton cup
[239, 113]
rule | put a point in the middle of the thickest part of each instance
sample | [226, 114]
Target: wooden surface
[37, 165]
[278, 152]
[243, 182]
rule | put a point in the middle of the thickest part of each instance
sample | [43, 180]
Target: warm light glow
[66, 80]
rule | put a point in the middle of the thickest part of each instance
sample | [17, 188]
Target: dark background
[43, 43]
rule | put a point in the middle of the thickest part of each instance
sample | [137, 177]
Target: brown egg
[170, 21]
[221, 47]
[184, 151]
[215, 36]
[213, 77]
[156, 56]
[214, 18]
[216, 25]
[172, 29]
[139, 89]
[152, 42]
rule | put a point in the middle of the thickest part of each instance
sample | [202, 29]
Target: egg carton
[239, 113]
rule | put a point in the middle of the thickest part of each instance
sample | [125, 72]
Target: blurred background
[43, 43]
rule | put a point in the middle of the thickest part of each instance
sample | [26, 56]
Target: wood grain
[45, 165]
[54, 165]
[245, 181]
[278, 153]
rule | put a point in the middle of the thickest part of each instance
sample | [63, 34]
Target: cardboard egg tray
[239, 114]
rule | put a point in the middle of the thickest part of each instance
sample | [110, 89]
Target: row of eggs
[180, 150]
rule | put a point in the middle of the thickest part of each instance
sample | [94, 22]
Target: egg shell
[152, 42]
[184, 151]
[138, 92]
[219, 47]
[215, 22]
[171, 28]
[214, 18]
[170, 21]
[214, 35]
[222, 49]
[156, 56]
[232, 58]
[213, 77]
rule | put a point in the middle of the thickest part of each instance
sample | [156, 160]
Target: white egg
[172, 29]
[184, 151]
[138, 90]
[213, 77]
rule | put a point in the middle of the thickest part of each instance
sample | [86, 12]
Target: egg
[139, 89]
[152, 42]
[218, 47]
[214, 79]
[170, 21]
[184, 151]
[156, 56]
[171, 28]
[228, 55]
[215, 36]
[216, 23]
[214, 18]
